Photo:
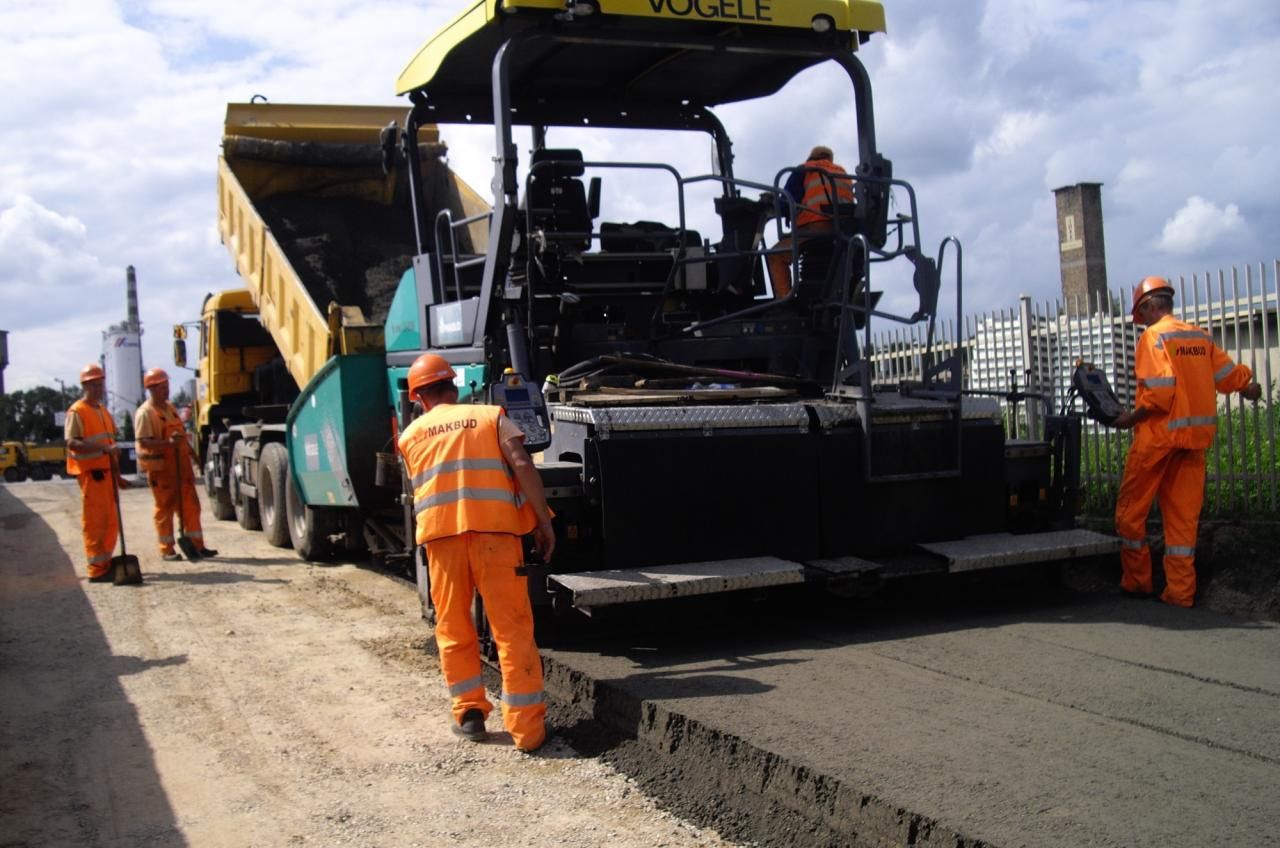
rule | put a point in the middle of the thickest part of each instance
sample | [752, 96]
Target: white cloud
[1200, 225]
[113, 110]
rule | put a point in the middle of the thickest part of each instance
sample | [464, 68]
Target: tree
[30, 415]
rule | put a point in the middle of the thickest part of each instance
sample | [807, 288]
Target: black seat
[558, 199]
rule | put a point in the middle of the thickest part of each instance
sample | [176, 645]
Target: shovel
[185, 544]
[125, 569]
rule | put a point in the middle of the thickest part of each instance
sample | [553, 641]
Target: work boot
[170, 556]
[207, 552]
[472, 726]
[102, 578]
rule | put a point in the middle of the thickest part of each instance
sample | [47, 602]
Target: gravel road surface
[253, 700]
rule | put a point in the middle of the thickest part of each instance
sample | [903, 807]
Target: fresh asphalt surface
[991, 715]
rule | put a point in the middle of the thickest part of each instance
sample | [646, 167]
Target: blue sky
[112, 117]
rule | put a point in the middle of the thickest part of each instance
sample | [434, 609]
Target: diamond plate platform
[1002, 549]
[604, 588]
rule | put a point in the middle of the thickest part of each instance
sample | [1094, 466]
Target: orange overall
[162, 466]
[810, 219]
[1179, 371]
[93, 470]
[471, 515]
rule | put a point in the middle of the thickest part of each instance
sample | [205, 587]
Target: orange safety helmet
[427, 369]
[1147, 288]
[92, 371]
[154, 377]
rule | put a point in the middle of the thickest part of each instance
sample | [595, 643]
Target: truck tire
[41, 472]
[309, 528]
[13, 474]
[273, 483]
[219, 496]
[245, 507]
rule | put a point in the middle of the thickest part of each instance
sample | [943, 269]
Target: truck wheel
[41, 472]
[309, 528]
[273, 482]
[219, 496]
[12, 474]
[245, 507]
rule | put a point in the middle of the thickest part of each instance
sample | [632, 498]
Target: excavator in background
[698, 434]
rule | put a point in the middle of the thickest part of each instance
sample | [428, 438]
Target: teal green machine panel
[335, 429]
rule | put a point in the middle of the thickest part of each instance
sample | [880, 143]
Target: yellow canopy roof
[641, 52]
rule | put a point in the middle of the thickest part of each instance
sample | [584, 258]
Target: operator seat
[558, 199]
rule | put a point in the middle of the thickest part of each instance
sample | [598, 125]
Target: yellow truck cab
[30, 460]
[237, 368]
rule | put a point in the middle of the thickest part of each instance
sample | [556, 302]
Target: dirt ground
[254, 700]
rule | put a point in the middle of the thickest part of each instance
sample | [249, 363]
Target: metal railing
[1027, 354]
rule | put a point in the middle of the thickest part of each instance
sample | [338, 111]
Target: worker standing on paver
[476, 492]
[817, 183]
[91, 447]
[1180, 371]
[163, 454]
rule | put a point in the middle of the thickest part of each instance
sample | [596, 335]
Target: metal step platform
[605, 588]
[998, 550]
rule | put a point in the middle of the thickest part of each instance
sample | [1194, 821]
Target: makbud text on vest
[450, 426]
[739, 10]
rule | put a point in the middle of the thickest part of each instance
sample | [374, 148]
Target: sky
[112, 117]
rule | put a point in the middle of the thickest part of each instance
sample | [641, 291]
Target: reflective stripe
[1159, 382]
[465, 686]
[460, 465]
[1183, 334]
[93, 455]
[100, 558]
[1224, 372]
[456, 495]
[166, 540]
[1133, 544]
[1179, 550]
[96, 437]
[1193, 421]
[522, 700]
[196, 535]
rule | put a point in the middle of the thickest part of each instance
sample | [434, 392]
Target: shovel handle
[115, 494]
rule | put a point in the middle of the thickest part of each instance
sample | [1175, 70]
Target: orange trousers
[487, 562]
[98, 525]
[779, 264]
[168, 500]
[1176, 478]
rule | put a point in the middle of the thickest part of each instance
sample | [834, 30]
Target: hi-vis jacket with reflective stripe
[461, 481]
[1180, 371]
[164, 422]
[98, 429]
[820, 189]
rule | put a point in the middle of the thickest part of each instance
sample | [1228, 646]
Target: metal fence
[1027, 354]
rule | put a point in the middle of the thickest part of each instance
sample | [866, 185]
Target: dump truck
[699, 432]
[291, 406]
[31, 460]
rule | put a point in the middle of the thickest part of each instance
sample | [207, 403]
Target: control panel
[526, 407]
[1100, 401]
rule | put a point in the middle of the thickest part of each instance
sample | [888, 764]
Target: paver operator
[476, 492]
[91, 450]
[811, 186]
[1180, 371]
[162, 448]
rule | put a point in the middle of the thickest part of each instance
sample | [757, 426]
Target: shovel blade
[188, 549]
[126, 570]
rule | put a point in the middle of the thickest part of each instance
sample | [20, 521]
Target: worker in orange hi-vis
[165, 455]
[1180, 372]
[91, 447]
[818, 186]
[476, 492]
